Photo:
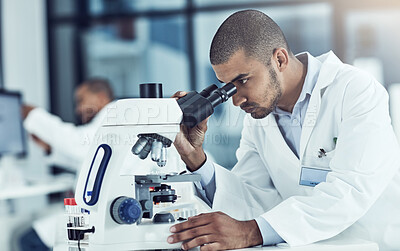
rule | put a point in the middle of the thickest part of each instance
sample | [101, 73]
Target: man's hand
[215, 231]
[189, 142]
[46, 147]
[26, 109]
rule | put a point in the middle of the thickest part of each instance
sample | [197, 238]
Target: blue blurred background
[48, 47]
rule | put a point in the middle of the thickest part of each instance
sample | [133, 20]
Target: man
[317, 156]
[65, 143]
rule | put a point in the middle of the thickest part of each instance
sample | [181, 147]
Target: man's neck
[294, 83]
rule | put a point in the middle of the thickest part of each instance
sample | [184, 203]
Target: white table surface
[338, 243]
[54, 185]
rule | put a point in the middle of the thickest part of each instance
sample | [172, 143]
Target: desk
[338, 243]
[54, 185]
[10, 203]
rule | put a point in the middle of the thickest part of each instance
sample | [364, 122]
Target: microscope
[135, 212]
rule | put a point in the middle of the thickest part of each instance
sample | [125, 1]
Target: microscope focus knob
[125, 210]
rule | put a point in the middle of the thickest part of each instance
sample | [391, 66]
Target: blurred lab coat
[348, 117]
[394, 98]
[69, 143]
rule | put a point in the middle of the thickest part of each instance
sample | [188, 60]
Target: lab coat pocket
[314, 169]
[319, 159]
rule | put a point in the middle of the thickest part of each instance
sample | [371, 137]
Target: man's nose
[237, 99]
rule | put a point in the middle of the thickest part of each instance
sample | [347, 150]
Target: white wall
[25, 66]
[24, 49]
[24, 69]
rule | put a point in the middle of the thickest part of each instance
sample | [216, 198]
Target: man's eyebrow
[239, 77]
[236, 78]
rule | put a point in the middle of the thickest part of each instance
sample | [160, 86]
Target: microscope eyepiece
[222, 94]
[151, 90]
[208, 90]
[197, 107]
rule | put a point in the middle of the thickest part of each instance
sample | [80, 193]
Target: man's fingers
[195, 221]
[26, 109]
[211, 247]
[179, 94]
[203, 124]
[198, 242]
[34, 137]
[190, 234]
[38, 140]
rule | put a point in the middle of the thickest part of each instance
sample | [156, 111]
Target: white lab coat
[361, 195]
[69, 143]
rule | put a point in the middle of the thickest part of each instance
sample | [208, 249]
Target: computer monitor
[12, 135]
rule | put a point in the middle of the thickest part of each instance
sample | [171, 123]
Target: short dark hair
[97, 84]
[251, 30]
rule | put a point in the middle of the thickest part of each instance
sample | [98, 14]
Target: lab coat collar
[313, 69]
[330, 66]
[329, 69]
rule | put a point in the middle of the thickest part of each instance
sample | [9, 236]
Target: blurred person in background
[66, 145]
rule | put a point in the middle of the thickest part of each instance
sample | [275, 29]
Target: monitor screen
[12, 135]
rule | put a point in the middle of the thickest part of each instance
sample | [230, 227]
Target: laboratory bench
[21, 202]
[338, 243]
[34, 188]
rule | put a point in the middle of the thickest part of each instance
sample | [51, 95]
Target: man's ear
[281, 58]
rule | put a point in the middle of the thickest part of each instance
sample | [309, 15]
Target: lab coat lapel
[276, 136]
[329, 69]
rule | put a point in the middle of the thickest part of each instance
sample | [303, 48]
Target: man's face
[258, 89]
[88, 104]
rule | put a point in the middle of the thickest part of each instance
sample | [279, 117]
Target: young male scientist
[317, 156]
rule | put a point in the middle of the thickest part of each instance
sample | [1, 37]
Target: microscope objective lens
[156, 150]
[139, 145]
[146, 150]
[163, 158]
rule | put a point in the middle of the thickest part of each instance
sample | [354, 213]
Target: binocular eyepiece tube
[222, 94]
[198, 106]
